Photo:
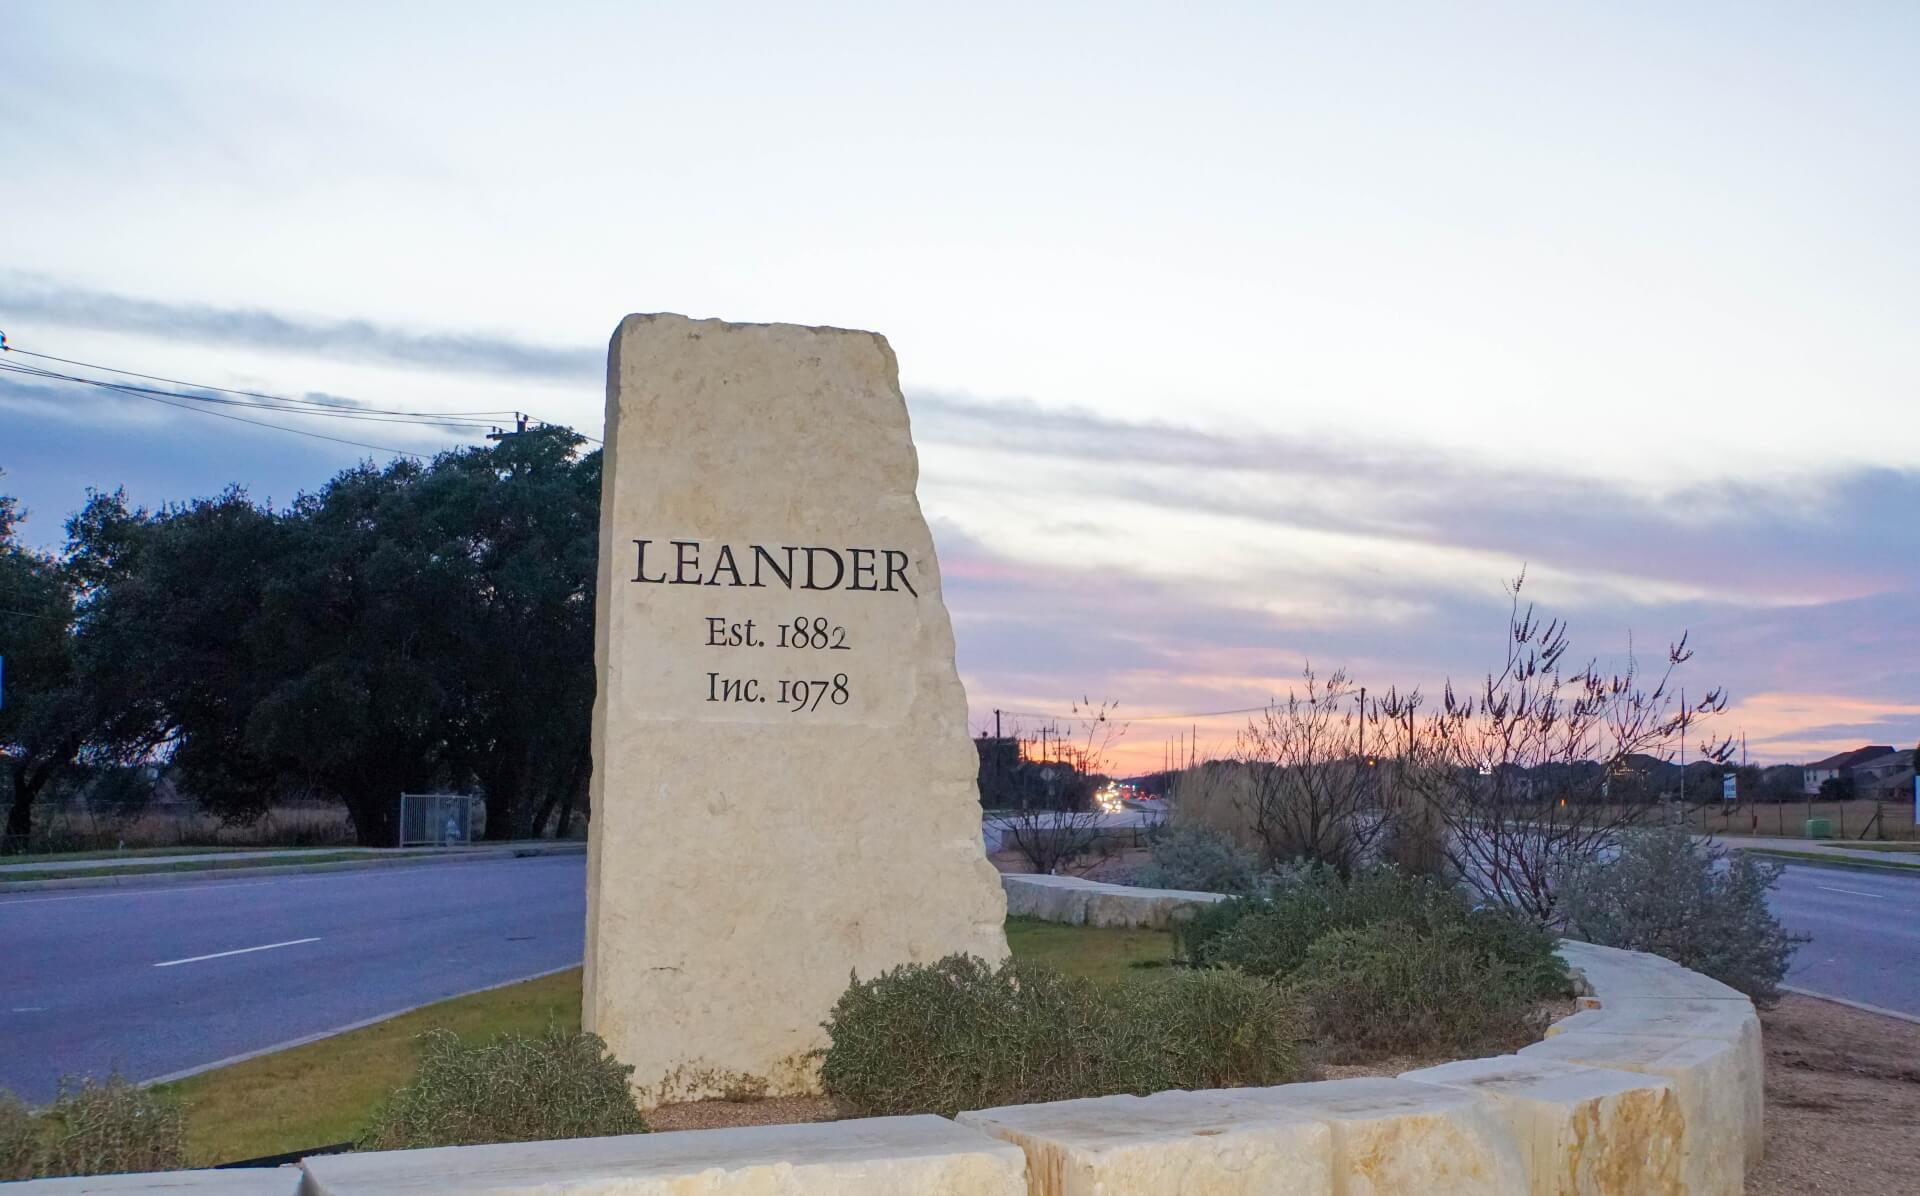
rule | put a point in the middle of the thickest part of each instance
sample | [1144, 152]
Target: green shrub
[1455, 976]
[511, 1089]
[1270, 943]
[1199, 859]
[1388, 988]
[961, 1034]
[1530, 950]
[18, 1144]
[1193, 937]
[108, 1127]
[1380, 895]
[1270, 936]
[1212, 1028]
[1688, 900]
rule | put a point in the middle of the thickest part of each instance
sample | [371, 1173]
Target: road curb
[1842, 863]
[119, 880]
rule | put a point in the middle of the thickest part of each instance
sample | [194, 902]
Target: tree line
[414, 627]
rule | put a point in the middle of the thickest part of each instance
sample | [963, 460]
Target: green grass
[1899, 847]
[267, 861]
[1099, 955]
[319, 1094]
[108, 853]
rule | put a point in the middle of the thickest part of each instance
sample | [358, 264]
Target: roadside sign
[1729, 786]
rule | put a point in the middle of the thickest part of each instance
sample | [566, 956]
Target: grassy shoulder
[320, 1093]
[274, 860]
[109, 853]
[271, 861]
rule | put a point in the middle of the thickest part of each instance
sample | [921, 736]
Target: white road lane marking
[241, 951]
[1855, 892]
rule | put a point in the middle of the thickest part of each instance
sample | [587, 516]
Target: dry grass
[1843, 1098]
[1216, 797]
[75, 833]
[1892, 820]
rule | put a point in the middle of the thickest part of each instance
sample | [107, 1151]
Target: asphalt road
[158, 980]
[1866, 934]
[151, 981]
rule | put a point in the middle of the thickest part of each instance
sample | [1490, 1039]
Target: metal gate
[437, 819]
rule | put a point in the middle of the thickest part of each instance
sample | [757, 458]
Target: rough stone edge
[1641, 978]
[1078, 902]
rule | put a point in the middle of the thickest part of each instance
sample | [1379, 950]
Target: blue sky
[1235, 336]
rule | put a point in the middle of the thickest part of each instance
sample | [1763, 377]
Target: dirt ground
[724, 1114]
[1843, 1102]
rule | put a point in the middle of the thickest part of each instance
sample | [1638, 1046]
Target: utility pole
[1363, 722]
[1683, 756]
[519, 428]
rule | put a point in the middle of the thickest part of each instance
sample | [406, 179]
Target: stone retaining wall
[1654, 1088]
[1080, 902]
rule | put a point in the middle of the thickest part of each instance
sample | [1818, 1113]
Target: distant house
[1887, 777]
[1840, 767]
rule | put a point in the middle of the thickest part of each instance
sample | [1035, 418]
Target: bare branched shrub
[1054, 825]
[1311, 791]
[1522, 772]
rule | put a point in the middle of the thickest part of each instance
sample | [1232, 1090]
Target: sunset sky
[1234, 336]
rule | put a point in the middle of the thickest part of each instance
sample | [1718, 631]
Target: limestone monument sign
[783, 785]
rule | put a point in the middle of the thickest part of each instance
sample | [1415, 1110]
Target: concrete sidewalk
[1828, 848]
[169, 870]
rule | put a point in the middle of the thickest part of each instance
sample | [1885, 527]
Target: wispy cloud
[1033, 636]
[31, 297]
[1788, 539]
[1382, 556]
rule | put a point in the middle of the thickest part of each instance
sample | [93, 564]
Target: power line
[241, 419]
[419, 419]
[1110, 716]
[332, 409]
[251, 394]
